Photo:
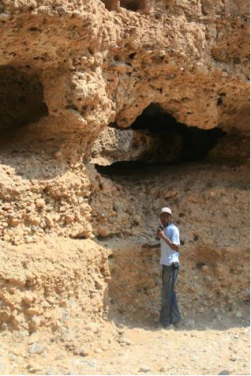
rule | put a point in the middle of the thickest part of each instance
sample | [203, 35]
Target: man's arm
[150, 246]
[172, 245]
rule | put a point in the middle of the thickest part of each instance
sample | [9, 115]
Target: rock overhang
[97, 66]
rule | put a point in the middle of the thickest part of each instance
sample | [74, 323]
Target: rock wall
[93, 67]
[68, 69]
[212, 283]
[38, 198]
[108, 66]
[52, 284]
[210, 203]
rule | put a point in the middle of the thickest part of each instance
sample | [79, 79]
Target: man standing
[168, 234]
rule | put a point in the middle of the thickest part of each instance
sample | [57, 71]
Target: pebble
[145, 369]
[204, 268]
[36, 349]
[36, 322]
[4, 326]
[224, 372]
[124, 340]
[163, 370]
[98, 351]
[80, 351]
[93, 327]
[50, 371]
[4, 17]
[40, 203]
[32, 368]
[194, 358]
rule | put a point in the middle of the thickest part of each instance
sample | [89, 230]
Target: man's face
[165, 218]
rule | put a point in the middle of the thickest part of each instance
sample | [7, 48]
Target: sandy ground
[125, 349]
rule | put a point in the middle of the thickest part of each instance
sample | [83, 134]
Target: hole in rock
[170, 142]
[133, 5]
[110, 4]
[21, 101]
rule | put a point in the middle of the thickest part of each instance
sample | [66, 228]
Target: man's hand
[146, 247]
[161, 234]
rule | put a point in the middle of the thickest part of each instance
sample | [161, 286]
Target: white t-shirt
[168, 255]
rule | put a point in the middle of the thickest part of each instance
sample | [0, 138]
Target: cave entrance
[111, 4]
[21, 101]
[133, 5]
[171, 142]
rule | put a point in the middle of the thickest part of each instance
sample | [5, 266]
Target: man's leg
[167, 279]
[175, 313]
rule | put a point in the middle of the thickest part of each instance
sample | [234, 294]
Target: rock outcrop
[75, 76]
[98, 62]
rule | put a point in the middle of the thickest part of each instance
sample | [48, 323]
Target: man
[169, 245]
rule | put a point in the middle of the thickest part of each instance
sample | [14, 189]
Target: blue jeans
[169, 313]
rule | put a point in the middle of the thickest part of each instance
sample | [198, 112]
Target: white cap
[166, 210]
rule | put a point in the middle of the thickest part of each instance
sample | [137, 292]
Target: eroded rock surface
[52, 283]
[94, 64]
[108, 66]
[75, 78]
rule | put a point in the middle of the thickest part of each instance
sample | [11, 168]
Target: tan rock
[33, 311]
[6, 237]
[35, 322]
[14, 222]
[33, 220]
[28, 298]
[69, 218]
[40, 203]
[84, 208]
[103, 231]
[171, 194]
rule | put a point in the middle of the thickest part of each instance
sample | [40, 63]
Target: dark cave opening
[175, 142]
[21, 101]
[111, 4]
[172, 142]
[133, 5]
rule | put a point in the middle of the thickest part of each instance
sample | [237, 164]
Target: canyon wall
[72, 71]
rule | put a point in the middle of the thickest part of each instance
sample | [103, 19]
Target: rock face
[113, 146]
[106, 66]
[41, 287]
[75, 78]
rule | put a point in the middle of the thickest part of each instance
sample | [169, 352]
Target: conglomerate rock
[112, 146]
[68, 69]
[95, 65]
[98, 66]
[52, 283]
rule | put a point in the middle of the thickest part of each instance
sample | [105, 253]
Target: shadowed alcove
[21, 101]
[111, 4]
[132, 5]
[171, 142]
